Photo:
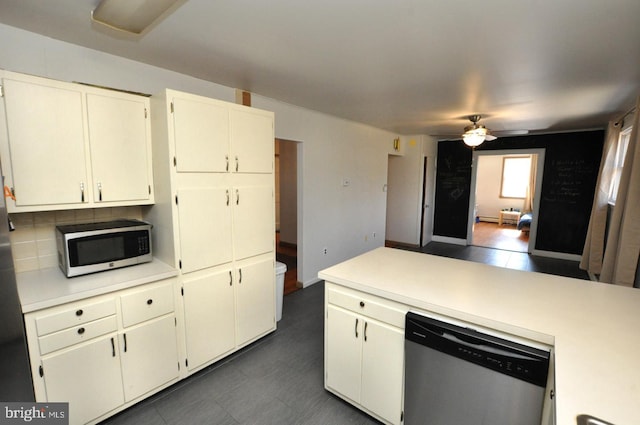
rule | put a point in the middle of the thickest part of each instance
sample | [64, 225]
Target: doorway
[286, 214]
[426, 222]
[495, 220]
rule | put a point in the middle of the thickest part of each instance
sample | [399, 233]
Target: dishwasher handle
[509, 357]
[471, 341]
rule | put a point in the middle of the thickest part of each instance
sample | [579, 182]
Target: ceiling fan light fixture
[473, 139]
[132, 16]
[474, 134]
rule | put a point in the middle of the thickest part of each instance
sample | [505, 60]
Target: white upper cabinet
[201, 130]
[252, 141]
[204, 216]
[119, 134]
[212, 136]
[66, 145]
[46, 143]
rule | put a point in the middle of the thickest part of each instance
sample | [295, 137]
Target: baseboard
[446, 239]
[558, 255]
[392, 244]
[308, 283]
[288, 244]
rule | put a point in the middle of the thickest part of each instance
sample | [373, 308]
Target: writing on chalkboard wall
[569, 177]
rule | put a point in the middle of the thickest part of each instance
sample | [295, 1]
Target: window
[621, 151]
[516, 172]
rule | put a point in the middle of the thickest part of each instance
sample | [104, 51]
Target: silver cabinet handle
[237, 163]
[81, 192]
[356, 328]
[100, 191]
[237, 197]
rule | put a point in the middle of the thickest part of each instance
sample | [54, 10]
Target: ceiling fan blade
[490, 137]
[510, 132]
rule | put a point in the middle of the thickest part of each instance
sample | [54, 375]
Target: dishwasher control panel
[520, 361]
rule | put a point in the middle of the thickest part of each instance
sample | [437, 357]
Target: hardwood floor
[288, 254]
[505, 236]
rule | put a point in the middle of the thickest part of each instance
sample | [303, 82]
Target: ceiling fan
[476, 133]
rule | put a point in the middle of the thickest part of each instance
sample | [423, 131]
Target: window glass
[621, 151]
[516, 172]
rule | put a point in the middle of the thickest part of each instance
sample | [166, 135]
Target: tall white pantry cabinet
[214, 219]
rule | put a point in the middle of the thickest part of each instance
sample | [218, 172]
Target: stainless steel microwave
[94, 247]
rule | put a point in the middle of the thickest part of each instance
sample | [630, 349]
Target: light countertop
[594, 327]
[50, 287]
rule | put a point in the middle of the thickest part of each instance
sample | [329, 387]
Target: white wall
[342, 219]
[404, 191]
[488, 200]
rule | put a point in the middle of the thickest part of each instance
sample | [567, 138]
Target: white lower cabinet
[149, 356]
[226, 308]
[104, 353]
[364, 352]
[86, 376]
[255, 298]
[209, 316]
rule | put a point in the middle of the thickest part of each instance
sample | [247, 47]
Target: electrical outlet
[374, 235]
[324, 251]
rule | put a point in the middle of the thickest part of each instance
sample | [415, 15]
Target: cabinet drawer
[147, 303]
[76, 334]
[380, 309]
[75, 314]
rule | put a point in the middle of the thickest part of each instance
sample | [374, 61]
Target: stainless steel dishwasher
[456, 375]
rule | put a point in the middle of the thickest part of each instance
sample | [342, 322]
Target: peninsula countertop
[594, 327]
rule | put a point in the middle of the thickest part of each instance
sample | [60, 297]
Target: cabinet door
[204, 216]
[209, 316]
[47, 142]
[149, 356]
[343, 352]
[253, 220]
[252, 141]
[382, 370]
[88, 377]
[255, 299]
[201, 132]
[120, 147]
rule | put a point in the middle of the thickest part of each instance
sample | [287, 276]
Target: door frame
[533, 229]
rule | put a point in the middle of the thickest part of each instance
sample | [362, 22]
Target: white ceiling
[408, 66]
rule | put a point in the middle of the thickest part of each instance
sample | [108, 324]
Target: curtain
[623, 242]
[528, 200]
[593, 252]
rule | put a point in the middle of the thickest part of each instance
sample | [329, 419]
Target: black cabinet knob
[149, 301]
[80, 331]
[361, 303]
[79, 312]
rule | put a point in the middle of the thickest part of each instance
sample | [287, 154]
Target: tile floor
[279, 379]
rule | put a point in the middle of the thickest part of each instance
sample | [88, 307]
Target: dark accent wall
[453, 183]
[571, 165]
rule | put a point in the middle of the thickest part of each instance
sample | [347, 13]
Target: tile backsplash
[33, 242]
